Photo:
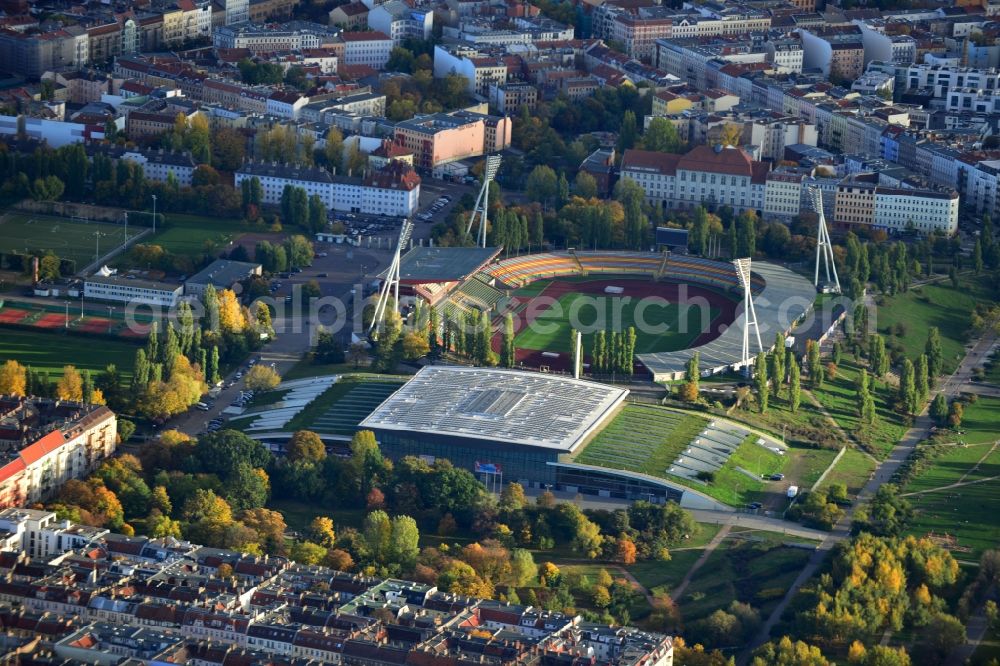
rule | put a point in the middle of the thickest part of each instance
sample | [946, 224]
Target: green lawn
[805, 466]
[735, 488]
[754, 573]
[968, 512]
[298, 515]
[68, 239]
[50, 351]
[853, 470]
[938, 305]
[194, 234]
[981, 421]
[839, 398]
[551, 330]
[642, 438]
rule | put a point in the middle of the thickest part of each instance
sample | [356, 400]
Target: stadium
[688, 303]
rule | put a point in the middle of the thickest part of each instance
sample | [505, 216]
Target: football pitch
[663, 327]
[68, 238]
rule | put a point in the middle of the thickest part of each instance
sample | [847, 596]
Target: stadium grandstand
[433, 273]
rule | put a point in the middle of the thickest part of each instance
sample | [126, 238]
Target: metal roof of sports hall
[512, 406]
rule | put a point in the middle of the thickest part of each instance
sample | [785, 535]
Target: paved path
[678, 591]
[976, 628]
[950, 387]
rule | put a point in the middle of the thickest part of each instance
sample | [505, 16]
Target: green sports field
[551, 330]
[70, 239]
[49, 351]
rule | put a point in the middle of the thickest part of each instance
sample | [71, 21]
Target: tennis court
[74, 239]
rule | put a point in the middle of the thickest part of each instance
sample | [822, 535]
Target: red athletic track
[631, 286]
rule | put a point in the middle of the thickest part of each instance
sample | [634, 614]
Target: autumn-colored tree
[262, 378]
[269, 525]
[375, 499]
[159, 525]
[689, 392]
[512, 497]
[339, 559]
[182, 389]
[415, 345]
[70, 385]
[231, 317]
[625, 551]
[13, 378]
[305, 445]
[321, 531]
[160, 500]
[549, 574]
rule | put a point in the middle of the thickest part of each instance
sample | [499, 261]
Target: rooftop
[443, 264]
[223, 273]
[498, 406]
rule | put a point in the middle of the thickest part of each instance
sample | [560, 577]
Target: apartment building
[480, 70]
[264, 38]
[31, 54]
[440, 138]
[352, 16]
[923, 211]
[120, 289]
[235, 96]
[783, 194]
[838, 52]
[510, 98]
[47, 443]
[187, 20]
[237, 11]
[639, 34]
[704, 176]
[855, 200]
[393, 190]
[366, 48]
[401, 21]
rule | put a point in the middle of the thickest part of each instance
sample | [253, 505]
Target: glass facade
[531, 466]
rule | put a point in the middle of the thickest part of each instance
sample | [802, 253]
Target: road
[346, 269]
[958, 382]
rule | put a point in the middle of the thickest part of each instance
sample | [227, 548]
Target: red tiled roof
[366, 36]
[46, 445]
[733, 161]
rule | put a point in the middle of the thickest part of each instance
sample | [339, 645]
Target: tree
[308, 553]
[507, 353]
[943, 634]
[814, 365]
[787, 653]
[221, 452]
[49, 267]
[247, 487]
[939, 409]
[270, 528]
[231, 317]
[631, 196]
[228, 150]
[760, 378]
[305, 445]
[935, 357]
[923, 379]
[317, 214]
[956, 413]
[206, 506]
[878, 358]
[321, 531]
[415, 346]
[262, 378]
[13, 378]
[625, 551]
[585, 185]
[404, 541]
[662, 135]
[70, 385]
[628, 132]
[907, 396]
[794, 388]
[542, 184]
